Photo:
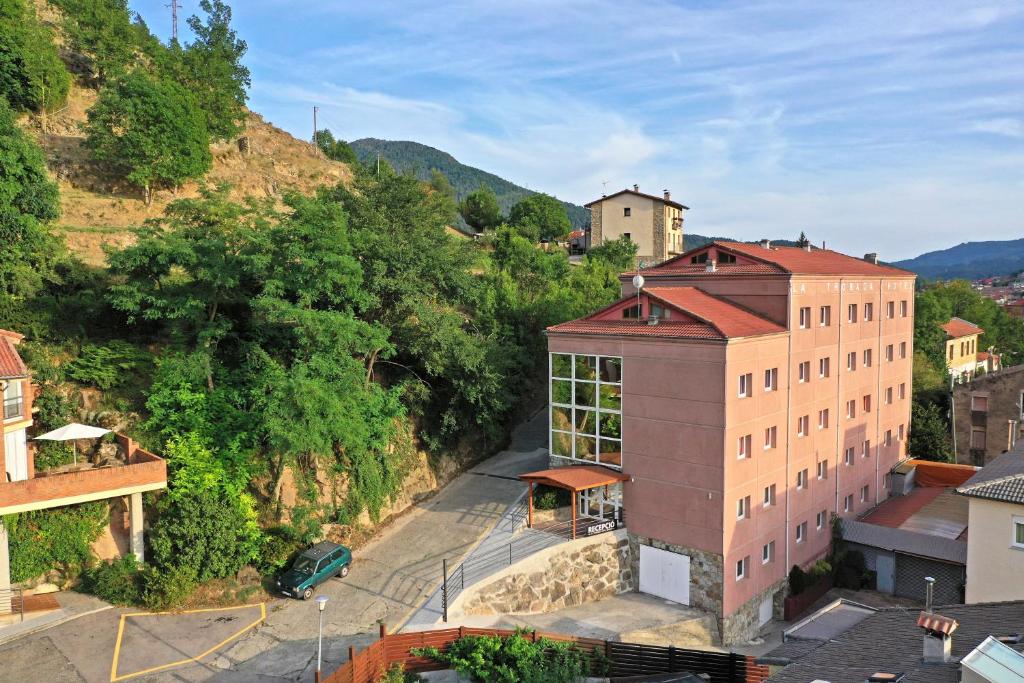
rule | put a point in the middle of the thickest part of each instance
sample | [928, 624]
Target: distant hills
[421, 159]
[969, 260]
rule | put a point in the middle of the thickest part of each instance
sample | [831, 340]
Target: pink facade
[685, 424]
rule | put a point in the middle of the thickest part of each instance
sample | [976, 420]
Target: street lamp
[321, 603]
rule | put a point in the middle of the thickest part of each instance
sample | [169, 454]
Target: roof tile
[11, 365]
[958, 327]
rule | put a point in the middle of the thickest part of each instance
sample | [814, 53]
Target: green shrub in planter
[797, 580]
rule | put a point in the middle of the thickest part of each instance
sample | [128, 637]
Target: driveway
[391, 576]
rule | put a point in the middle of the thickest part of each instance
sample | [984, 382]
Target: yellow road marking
[188, 660]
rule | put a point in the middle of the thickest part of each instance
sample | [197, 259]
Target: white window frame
[805, 317]
[825, 316]
[823, 419]
[824, 367]
[890, 309]
[864, 493]
[804, 372]
[822, 470]
[848, 503]
[1018, 521]
[851, 361]
[869, 310]
[848, 456]
[801, 479]
[867, 360]
[768, 552]
[803, 425]
[743, 447]
[769, 496]
[741, 568]
[741, 508]
[904, 308]
[851, 409]
[801, 532]
[572, 406]
[746, 390]
[771, 379]
[770, 437]
[819, 520]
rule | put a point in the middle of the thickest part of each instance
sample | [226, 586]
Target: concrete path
[391, 577]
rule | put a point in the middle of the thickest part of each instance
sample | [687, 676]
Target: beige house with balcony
[963, 360]
[126, 474]
[995, 542]
[654, 223]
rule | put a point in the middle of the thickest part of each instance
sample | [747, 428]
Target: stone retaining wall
[565, 575]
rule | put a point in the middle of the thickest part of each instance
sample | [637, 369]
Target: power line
[174, 18]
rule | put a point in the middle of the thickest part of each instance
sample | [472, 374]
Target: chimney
[636, 188]
[871, 258]
[711, 267]
[668, 195]
[807, 247]
[938, 636]
[929, 593]
[766, 244]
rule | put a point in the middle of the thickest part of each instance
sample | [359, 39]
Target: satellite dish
[638, 281]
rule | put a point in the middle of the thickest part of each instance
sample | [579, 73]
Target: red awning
[576, 477]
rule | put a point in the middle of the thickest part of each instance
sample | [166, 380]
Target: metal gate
[912, 569]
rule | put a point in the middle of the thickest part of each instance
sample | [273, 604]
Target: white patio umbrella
[72, 432]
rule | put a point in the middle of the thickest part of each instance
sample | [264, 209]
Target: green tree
[103, 30]
[150, 131]
[28, 201]
[335, 149]
[480, 209]
[802, 241]
[32, 75]
[620, 254]
[929, 433]
[213, 70]
[540, 217]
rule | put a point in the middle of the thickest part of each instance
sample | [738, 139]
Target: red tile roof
[728, 318]
[958, 327]
[11, 365]
[673, 267]
[638, 194]
[794, 260]
[716, 318]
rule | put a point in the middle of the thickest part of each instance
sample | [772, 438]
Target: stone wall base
[705, 571]
[742, 625]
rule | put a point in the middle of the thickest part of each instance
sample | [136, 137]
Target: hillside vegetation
[421, 160]
[969, 260]
[291, 354]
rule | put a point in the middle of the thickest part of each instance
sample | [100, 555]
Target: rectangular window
[851, 313]
[627, 236]
[803, 425]
[851, 409]
[805, 371]
[869, 312]
[746, 385]
[951, 351]
[743, 508]
[888, 438]
[865, 451]
[823, 419]
[888, 396]
[903, 349]
[848, 456]
[627, 211]
[1017, 539]
[848, 503]
[805, 317]
[903, 391]
[851, 360]
[890, 309]
[903, 308]
[825, 316]
[801, 532]
[741, 568]
[823, 367]
[769, 437]
[744, 447]
[979, 403]
[864, 491]
[867, 358]
[586, 408]
[631, 312]
[768, 552]
[866, 401]
[819, 520]
[901, 432]
[823, 469]
[801, 479]
[769, 496]
[888, 353]
[978, 438]
[14, 401]
[771, 379]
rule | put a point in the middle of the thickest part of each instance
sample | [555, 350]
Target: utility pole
[316, 143]
[378, 163]
[174, 19]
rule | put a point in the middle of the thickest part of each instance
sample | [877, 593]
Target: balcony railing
[14, 407]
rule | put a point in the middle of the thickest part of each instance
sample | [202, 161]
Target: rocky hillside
[98, 209]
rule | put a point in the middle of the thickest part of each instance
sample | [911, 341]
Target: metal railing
[12, 601]
[481, 564]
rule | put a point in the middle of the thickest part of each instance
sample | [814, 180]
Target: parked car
[313, 567]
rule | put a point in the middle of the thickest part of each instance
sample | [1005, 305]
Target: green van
[313, 567]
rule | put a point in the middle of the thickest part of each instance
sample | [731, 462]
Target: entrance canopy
[575, 477]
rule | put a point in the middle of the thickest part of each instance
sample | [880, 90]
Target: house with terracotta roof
[120, 478]
[963, 360]
[748, 392]
[654, 223]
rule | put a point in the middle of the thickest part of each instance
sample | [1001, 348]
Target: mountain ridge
[969, 260]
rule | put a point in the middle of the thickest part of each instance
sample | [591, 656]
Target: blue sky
[894, 126]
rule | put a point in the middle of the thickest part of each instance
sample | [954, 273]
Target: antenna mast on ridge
[174, 19]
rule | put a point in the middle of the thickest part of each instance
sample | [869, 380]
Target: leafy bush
[851, 570]
[515, 659]
[820, 570]
[549, 498]
[797, 580]
[59, 538]
[168, 587]
[398, 674]
[118, 582]
[108, 365]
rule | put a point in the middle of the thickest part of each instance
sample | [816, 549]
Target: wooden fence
[624, 659]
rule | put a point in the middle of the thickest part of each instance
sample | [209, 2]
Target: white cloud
[1013, 128]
